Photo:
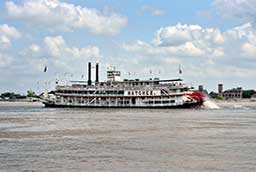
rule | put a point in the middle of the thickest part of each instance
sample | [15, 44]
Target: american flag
[180, 70]
[45, 69]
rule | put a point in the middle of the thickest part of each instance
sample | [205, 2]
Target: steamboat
[127, 93]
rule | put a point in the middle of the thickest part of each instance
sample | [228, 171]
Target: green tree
[220, 97]
[248, 93]
[31, 93]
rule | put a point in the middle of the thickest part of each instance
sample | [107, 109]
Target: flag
[45, 69]
[180, 70]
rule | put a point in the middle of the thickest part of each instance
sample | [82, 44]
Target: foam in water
[238, 106]
[210, 105]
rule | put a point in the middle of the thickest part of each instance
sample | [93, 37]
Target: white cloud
[152, 10]
[9, 31]
[5, 42]
[34, 48]
[236, 9]
[63, 16]
[203, 52]
[188, 49]
[64, 62]
[7, 34]
[241, 42]
[209, 44]
[180, 34]
[55, 52]
[182, 41]
[56, 47]
[175, 35]
[249, 50]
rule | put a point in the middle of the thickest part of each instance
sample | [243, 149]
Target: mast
[97, 73]
[89, 74]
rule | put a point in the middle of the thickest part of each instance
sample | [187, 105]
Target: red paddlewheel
[200, 97]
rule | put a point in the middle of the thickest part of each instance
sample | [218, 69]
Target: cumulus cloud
[196, 41]
[55, 52]
[204, 52]
[180, 34]
[7, 34]
[241, 42]
[236, 9]
[249, 49]
[56, 47]
[56, 15]
[182, 41]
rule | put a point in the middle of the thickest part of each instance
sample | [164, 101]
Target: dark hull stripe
[192, 105]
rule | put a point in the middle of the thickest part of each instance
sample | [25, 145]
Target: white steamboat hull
[185, 101]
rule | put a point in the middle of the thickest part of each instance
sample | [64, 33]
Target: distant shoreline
[234, 100]
[21, 100]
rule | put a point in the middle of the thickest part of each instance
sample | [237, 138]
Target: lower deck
[159, 101]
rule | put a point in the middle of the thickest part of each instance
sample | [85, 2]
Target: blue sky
[213, 41]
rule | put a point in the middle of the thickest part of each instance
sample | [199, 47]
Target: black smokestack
[97, 73]
[89, 73]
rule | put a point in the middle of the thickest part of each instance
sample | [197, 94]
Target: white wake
[209, 104]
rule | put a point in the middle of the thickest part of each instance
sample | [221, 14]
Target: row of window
[103, 100]
[118, 92]
[232, 95]
[160, 102]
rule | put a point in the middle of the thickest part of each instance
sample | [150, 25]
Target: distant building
[220, 88]
[235, 93]
[201, 88]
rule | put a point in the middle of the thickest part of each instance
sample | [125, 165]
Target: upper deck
[128, 85]
[114, 83]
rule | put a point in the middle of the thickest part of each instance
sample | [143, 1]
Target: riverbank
[234, 100]
[28, 99]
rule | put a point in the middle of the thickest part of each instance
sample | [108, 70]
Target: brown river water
[34, 138]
